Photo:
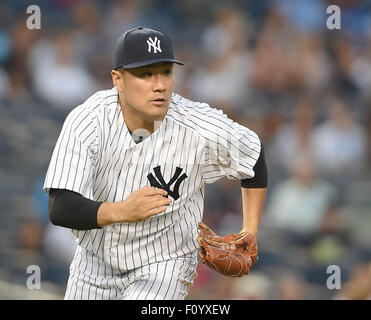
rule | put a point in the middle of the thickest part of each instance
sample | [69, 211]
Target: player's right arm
[139, 205]
[71, 210]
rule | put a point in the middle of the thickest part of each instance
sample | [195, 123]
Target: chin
[158, 111]
[155, 116]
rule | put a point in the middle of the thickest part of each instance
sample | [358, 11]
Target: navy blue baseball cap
[140, 47]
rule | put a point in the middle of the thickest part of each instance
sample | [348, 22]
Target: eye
[146, 74]
[168, 72]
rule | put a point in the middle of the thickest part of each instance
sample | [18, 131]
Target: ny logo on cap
[153, 44]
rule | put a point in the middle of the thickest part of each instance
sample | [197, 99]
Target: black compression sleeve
[71, 210]
[260, 180]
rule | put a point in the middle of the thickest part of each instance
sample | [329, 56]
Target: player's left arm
[253, 195]
[234, 151]
[252, 206]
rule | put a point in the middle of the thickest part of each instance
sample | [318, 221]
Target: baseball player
[128, 171]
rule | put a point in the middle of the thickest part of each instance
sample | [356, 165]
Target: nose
[159, 83]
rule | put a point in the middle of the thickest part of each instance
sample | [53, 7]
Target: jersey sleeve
[231, 149]
[72, 162]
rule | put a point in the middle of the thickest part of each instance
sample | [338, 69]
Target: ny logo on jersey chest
[160, 182]
[154, 44]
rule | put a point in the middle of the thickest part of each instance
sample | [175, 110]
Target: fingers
[158, 201]
[208, 240]
[158, 206]
[149, 201]
[152, 191]
[201, 226]
[206, 230]
[158, 210]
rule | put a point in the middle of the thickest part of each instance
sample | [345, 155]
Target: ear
[117, 80]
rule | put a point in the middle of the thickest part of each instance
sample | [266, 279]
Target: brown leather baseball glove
[232, 255]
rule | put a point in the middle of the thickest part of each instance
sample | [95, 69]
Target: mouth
[158, 102]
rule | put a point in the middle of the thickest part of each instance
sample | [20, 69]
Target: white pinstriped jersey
[96, 157]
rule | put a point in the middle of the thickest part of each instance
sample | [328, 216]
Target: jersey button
[130, 164]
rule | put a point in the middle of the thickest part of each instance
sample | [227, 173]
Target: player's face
[147, 90]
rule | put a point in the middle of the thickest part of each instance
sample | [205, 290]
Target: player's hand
[144, 203]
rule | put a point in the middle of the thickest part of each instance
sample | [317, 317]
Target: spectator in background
[360, 69]
[90, 38]
[313, 67]
[57, 76]
[59, 245]
[17, 91]
[300, 203]
[20, 44]
[228, 62]
[30, 235]
[122, 15]
[293, 139]
[339, 145]
[285, 60]
[305, 16]
[223, 213]
[274, 67]
[257, 286]
[291, 286]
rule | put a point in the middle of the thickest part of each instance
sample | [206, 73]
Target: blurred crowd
[270, 65]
